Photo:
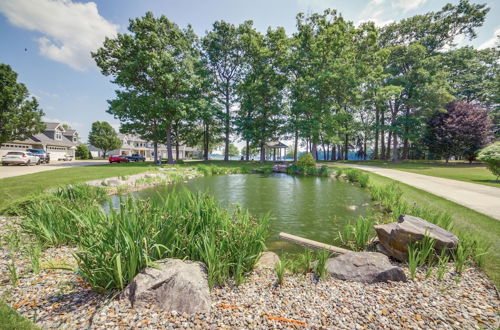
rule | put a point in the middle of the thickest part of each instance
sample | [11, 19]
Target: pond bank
[60, 298]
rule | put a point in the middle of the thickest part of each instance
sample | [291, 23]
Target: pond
[311, 207]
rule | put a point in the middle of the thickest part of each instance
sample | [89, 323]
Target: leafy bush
[82, 152]
[306, 161]
[491, 156]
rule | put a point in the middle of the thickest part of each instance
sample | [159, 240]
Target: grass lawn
[10, 320]
[475, 173]
[464, 219]
[21, 187]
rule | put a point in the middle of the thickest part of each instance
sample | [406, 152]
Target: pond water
[310, 207]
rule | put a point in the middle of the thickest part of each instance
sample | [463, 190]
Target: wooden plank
[312, 244]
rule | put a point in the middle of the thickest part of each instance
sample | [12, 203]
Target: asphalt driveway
[16, 170]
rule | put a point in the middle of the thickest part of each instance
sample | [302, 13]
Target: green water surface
[310, 207]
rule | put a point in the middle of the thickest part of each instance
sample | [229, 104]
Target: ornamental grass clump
[357, 236]
[113, 247]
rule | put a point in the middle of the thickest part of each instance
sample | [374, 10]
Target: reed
[320, 267]
[357, 236]
[280, 268]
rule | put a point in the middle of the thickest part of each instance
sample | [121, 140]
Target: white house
[133, 144]
[55, 139]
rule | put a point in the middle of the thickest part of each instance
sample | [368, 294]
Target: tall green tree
[104, 137]
[224, 57]
[20, 115]
[155, 64]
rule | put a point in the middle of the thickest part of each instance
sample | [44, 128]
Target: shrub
[306, 161]
[82, 152]
[491, 156]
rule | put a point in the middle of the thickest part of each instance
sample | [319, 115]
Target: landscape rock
[267, 260]
[366, 267]
[280, 168]
[173, 284]
[396, 236]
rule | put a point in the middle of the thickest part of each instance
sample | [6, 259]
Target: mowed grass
[22, 187]
[464, 220]
[10, 320]
[458, 170]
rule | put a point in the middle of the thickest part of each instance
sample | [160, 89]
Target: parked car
[118, 159]
[20, 158]
[66, 158]
[44, 156]
[136, 158]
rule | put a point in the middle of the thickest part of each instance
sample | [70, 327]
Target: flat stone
[173, 284]
[366, 267]
[396, 236]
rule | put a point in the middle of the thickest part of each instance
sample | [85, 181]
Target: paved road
[484, 199]
[16, 170]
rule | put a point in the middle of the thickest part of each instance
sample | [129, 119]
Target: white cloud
[71, 30]
[408, 5]
[493, 41]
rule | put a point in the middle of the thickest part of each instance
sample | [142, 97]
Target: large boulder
[268, 259]
[173, 284]
[366, 267]
[396, 236]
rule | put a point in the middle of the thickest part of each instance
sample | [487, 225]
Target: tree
[104, 137]
[252, 151]
[20, 115]
[223, 53]
[460, 131]
[233, 150]
[82, 152]
[154, 66]
[491, 156]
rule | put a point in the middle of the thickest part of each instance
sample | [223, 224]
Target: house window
[58, 135]
[75, 138]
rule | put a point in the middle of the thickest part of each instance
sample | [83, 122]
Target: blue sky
[47, 42]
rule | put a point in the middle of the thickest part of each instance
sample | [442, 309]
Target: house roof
[70, 132]
[52, 126]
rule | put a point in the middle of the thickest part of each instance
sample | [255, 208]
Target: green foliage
[280, 268]
[413, 259]
[35, 252]
[233, 150]
[114, 247]
[306, 161]
[13, 275]
[82, 152]
[357, 236]
[320, 267]
[443, 260]
[491, 156]
[104, 137]
[20, 116]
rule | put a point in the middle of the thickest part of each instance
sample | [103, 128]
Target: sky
[48, 42]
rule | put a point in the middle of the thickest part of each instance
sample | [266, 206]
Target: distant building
[55, 140]
[133, 144]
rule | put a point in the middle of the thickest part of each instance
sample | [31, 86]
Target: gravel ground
[60, 298]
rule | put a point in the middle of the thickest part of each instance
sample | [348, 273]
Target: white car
[20, 157]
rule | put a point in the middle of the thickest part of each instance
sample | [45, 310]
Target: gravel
[60, 298]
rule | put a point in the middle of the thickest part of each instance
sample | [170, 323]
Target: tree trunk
[155, 148]
[170, 158]
[206, 144]
[406, 132]
[324, 150]
[395, 148]
[247, 156]
[377, 119]
[228, 121]
[346, 148]
[334, 152]
[388, 149]
[314, 150]
[382, 135]
[176, 149]
[262, 152]
[364, 151]
[296, 145]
